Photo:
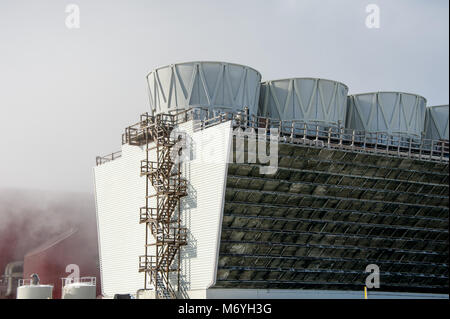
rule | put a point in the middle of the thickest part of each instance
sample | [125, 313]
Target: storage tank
[308, 100]
[62, 257]
[436, 122]
[214, 85]
[82, 288]
[20, 233]
[26, 290]
[391, 113]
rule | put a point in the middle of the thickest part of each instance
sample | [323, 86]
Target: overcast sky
[66, 95]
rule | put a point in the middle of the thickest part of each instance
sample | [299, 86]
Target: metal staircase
[163, 220]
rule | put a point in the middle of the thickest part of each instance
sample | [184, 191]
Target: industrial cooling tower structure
[191, 208]
[392, 113]
[436, 122]
[58, 257]
[210, 85]
[304, 99]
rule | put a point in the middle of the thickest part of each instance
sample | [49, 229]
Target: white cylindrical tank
[436, 122]
[310, 100]
[35, 292]
[79, 291]
[79, 288]
[392, 113]
[213, 85]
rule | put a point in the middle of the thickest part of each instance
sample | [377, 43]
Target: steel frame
[318, 135]
[163, 220]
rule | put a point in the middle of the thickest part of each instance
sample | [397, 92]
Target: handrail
[92, 281]
[29, 282]
[108, 158]
[295, 131]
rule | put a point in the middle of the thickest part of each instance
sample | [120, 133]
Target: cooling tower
[436, 122]
[211, 85]
[309, 230]
[392, 113]
[306, 221]
[304, 99]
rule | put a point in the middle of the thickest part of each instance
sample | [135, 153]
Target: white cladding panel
[120, 193]
[203, 208]
[214, 85]
[436, 122]
[304, 99]
[387, 112]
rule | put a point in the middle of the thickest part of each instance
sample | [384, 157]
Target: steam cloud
[30, 218]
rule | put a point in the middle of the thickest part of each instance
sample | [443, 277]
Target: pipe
[10, 275]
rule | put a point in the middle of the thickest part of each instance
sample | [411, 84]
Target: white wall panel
[203, 208]
[120, 192]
